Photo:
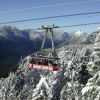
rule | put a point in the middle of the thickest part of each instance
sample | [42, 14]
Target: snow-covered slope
[27, 84]
[37, 85]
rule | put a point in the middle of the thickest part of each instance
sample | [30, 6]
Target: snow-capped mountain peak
[78, 33]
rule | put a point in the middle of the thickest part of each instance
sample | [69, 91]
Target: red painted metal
[43, 67]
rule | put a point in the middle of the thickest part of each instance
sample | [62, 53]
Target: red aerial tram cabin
[45, 62]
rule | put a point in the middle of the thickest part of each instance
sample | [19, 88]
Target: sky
[11, 10]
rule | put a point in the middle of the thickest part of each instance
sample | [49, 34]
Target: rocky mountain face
[27, 84]
[15, 43]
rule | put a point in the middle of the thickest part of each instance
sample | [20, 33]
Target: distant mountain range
[15, 43]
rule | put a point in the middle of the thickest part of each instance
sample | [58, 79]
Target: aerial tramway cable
[45, 6]
[51, 17]
[66, 26]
